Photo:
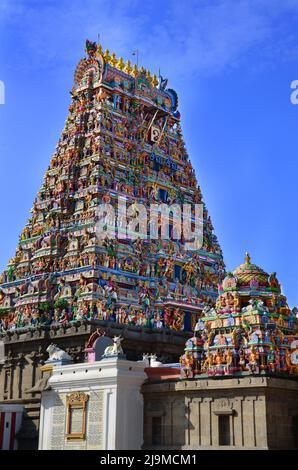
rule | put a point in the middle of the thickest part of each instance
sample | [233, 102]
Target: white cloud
[189, 37]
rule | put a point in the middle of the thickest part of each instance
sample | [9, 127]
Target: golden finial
[148, 76]
[99, 50]
[127, 68]
[154, 80]
[134, 70]
[120, 63]
[107, 55]
[113, 60]
[247, 258]
[142, 70]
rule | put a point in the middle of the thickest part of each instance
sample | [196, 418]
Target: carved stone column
[18, 387]
[193, 429]
[9, 372]
[238, 428]
[206, 422]
[6, 379]
[37, 359]
[249, 421]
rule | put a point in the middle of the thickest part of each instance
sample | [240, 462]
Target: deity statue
[187, 363]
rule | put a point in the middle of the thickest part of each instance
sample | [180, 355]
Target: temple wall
[245, 413]
[95, 406]
[282, 412]
[26, 352]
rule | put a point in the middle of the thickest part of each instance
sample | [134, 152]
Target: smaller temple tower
[251, 329]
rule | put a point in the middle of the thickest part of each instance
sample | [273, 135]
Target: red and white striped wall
[10, 422]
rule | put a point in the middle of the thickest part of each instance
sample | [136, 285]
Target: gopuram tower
[122, 141]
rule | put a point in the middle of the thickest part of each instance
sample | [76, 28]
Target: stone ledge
[289, 383]
[85, 327]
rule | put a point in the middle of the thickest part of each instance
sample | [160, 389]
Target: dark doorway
[224, 430]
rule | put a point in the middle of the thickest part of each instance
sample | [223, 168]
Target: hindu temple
[235, 387]
[238, 377]
[200, 358]
[122, 141]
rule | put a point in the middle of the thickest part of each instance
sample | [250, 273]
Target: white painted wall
[120, 380]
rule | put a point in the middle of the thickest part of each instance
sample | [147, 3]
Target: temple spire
[247, 258]
[113, 144]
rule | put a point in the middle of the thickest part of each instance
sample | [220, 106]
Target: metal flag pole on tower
[136, 53]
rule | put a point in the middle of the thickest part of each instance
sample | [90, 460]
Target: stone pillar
[260, 422]
[21, 361]
[9, 375]
[167, 422]
[206, 426]
[179, 421]
[194, 431]
[37, 358]
[238, 425]
[6, 380]
[249, 422]
[27, 376]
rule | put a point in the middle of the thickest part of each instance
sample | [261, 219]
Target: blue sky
[231, 63]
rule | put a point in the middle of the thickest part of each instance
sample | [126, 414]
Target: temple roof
[249, 275]
[248, 271]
